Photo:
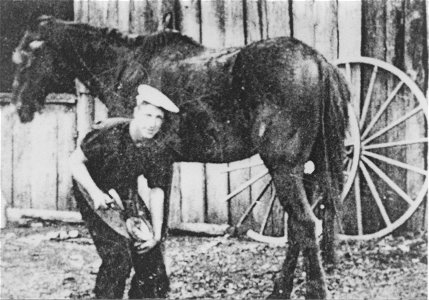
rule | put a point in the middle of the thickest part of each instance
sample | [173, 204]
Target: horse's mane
[148, 42]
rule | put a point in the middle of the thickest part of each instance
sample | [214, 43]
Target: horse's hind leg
[290, 189]
[283, 284]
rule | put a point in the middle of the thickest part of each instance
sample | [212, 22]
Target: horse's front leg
[290, 189]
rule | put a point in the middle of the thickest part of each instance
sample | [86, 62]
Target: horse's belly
[214, 144]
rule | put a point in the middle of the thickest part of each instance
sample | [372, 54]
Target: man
[112, 158]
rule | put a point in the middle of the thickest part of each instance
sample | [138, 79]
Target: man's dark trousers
[118, 256]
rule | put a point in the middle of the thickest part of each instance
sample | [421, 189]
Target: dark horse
[277, 97]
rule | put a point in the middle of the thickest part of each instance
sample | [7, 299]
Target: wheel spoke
[393, 144]
[349, 165]
[368, 96]
[244, 185]
[389, 182]
[358, 205]
[393, 124]
[395, 162]
[375, 194]
[249, 209]
[270, 207]
[253, 164]
[382, 109]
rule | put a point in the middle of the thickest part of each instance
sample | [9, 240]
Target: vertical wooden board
[145, 16]
[190, 14]
[315, 24]
[395, 206]
[254, 21]
[193, 193]
[7, 119]
[350, 38]
[81, 11]
[112, 16]
[373, 45]
[234, 27]
[124, 15]
[239, 203]
[100, 110]
[84, 111]
[276, 18]
[261, 208]
[151, 13]
[43, 167]
[98, 13]
[217, 189]
[373, 29]
[326, 30]
[21, 164]
[77, 10]
[175, 205]
[66, 144]
[168, 7]
[416, 43]
[213, 24]
[303, 21]
[137, 16]
[349, 28]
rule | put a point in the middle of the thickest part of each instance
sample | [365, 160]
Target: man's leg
[150, 279]
[113, 249]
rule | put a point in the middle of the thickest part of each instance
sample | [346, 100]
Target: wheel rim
[381, 138]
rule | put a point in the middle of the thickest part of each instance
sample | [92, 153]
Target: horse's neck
[98, 71]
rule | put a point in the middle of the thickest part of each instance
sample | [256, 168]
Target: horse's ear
[167, 21]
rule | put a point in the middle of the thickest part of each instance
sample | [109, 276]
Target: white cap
[155, 97]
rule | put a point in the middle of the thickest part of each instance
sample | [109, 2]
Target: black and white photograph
[214, 149]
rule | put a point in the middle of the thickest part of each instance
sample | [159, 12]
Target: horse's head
[39, 71]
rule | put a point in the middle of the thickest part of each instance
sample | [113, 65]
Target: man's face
[148, 120]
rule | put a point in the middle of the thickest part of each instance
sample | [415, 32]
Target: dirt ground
[50, 261]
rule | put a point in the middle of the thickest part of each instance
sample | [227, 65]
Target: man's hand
[101, 200]
[144, 247]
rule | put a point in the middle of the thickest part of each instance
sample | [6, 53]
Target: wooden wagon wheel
[369, 141]
[391, 181]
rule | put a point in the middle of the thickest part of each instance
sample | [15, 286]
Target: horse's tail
[330, 150]
[334, 124]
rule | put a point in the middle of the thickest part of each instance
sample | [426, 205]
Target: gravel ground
[33, 265]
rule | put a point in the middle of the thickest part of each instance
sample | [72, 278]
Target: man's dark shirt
[115, 161]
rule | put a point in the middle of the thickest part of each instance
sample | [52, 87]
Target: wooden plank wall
[34, 172]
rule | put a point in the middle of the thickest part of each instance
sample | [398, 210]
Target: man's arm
[156, 209]
[81, 175]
